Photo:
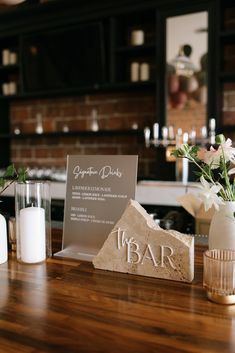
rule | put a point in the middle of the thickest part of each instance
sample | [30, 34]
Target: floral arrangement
[10, 175]
[215, 168]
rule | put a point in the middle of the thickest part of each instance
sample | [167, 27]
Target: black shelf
[5, 136]
[227, 128]
[9, 67]
[132, 49]
[227, 76]
[227, 34]
[127, 132]
[134, 85]
[81, 90]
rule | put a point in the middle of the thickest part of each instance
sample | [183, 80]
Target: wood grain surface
[68, 306]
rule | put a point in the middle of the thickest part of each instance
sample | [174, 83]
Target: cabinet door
[64, 58]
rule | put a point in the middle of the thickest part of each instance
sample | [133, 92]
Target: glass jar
[33, 221]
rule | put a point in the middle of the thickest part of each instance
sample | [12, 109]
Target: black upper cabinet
[81, 56]
[64, 58]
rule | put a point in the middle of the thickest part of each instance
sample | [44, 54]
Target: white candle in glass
[32, 234]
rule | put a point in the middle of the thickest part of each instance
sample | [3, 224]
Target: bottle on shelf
[39, 126]
[94, 123]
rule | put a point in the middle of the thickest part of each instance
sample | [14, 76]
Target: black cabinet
[64, 58]
[81, 54]
[71, 47]
[226, 65]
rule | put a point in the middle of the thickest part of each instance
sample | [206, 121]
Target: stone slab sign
[137, 245]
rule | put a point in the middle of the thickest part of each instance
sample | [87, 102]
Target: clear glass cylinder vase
[33, 221]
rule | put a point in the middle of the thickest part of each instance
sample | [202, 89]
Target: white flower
[229, 151]
[213, 156]
[209, 195]
[231, 171]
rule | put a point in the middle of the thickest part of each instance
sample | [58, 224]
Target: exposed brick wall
[115, 111]
[228, 108]
[192, 116]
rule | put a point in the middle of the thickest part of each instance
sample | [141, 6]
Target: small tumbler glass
[33, 221]
[219, 275]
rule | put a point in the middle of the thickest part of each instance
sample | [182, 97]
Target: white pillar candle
[5, 89]
[155, 131]
[171, 132]
[5, 57]
[137, 37]
[13, 58]
[12, 87]
[144, 72]
[135, 71]
[164, 134]
[32, 234]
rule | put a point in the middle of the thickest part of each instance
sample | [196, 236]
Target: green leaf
[13, 175]
[199, 174]
[2, 182]
[10, 171]
[175, 153]
[193, 152]
[22, 174]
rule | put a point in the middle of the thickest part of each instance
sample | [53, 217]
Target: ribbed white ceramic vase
[3, 240]
[222, 227]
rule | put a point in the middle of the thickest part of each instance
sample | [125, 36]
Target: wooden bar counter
[68, 306]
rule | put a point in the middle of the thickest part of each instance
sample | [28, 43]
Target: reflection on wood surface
[67, 306]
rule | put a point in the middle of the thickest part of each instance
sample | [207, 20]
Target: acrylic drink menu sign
[97, 191]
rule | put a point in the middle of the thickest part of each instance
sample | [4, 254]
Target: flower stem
[226, 178]
[209, 177]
